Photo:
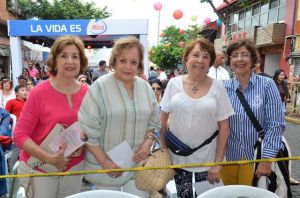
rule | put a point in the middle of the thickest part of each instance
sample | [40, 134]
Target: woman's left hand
[214, 174]
[143, 151]
[263, 169]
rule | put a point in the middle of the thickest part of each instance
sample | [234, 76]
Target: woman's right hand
[58, 160]
[109, 164]
[103, 159]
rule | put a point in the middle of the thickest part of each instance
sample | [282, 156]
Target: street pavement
[292, 134]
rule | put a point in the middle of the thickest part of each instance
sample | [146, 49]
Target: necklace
[195, 88]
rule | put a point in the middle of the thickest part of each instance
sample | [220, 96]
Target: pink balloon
[206, 21]
[181, 43]
[177, 14]
[157, 6]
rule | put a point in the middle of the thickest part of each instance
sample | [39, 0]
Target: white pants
[50, 187]
[129, 187]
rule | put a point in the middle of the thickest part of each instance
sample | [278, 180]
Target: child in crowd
[15, 106]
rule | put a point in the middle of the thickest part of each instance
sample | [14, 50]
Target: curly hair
[250, 46]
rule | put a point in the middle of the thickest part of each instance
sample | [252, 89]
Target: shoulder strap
[207, 141]
[249, 113]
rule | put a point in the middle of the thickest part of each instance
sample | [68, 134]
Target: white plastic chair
[171, 189]
[8, 154]
[21, 193]
[103, 194]
[237, 191]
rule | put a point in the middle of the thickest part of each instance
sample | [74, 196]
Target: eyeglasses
[156, 88]
[244, 55]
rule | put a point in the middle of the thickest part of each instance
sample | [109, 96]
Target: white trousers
[50, 187]
[129, 187]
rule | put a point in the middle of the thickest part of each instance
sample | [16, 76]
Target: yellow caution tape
[207, 164]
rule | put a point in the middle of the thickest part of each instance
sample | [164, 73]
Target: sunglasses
[156, 88]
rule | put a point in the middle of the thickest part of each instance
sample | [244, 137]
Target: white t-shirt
[4, 99]
[218, 73]
[195, 120]
[162, 76]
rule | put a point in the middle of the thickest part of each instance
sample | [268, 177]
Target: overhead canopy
[95, 33]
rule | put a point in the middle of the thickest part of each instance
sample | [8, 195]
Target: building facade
[267, 23]
[293, 40]
[9, 10]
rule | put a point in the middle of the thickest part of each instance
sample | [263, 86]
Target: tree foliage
[168, 53]
[61, 9]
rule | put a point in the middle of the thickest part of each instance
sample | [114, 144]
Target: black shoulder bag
[273, 182]
[179, 148]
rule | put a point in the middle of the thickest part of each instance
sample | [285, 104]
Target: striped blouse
[263, 97]
[109, 117]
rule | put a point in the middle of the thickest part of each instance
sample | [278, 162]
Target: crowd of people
[117, 102]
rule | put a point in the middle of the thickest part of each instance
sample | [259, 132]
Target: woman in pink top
[54, 101]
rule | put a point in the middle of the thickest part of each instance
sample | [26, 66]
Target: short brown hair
[127, 43]
[57, 47]
[6, 80]
[204, 45]
[250, 46]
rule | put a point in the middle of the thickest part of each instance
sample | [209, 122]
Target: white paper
[201, 187]
[122, 155]
[71, 137]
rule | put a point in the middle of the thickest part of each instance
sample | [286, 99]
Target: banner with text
[76, 27]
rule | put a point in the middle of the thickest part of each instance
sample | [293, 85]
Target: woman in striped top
[119, 107]
[263, 98]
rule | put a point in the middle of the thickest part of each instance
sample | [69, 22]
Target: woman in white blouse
[6, 93]
[196, 106]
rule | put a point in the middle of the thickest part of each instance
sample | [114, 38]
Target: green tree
[167, 54]
[61, 9]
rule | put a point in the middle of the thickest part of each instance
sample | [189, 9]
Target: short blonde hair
[57, 47]
[127, 43]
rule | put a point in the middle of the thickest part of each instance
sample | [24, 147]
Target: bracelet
[150, 137]
[150, 132]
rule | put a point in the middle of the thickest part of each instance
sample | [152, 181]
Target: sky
[144, 9]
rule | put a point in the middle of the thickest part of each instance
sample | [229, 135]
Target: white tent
[98, 55]
[36, 52]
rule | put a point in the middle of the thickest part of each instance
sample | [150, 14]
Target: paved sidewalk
[292, 135]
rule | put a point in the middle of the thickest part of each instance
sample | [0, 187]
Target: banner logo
[96, 27]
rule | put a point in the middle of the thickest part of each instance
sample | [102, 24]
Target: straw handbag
[155, 180]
